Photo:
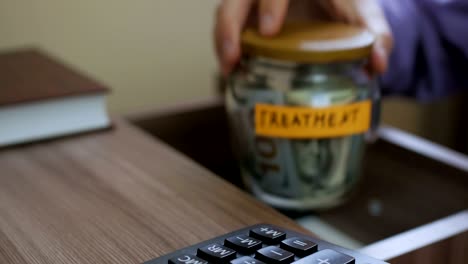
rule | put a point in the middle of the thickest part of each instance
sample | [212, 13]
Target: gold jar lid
[310, 42]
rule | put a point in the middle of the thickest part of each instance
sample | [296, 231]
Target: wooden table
[116, 196]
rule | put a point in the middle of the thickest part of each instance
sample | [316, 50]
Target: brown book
[42, 98]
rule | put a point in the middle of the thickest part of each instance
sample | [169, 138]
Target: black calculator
[264, 244]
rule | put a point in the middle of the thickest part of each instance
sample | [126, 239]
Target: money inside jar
[299, 106]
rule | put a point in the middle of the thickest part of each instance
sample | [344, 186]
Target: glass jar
[299, 115]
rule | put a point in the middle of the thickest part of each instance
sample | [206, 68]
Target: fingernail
[380, 49]
[266, 24]
[228, 49]
[382, 57]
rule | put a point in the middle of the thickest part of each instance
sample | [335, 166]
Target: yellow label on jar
[306, 122]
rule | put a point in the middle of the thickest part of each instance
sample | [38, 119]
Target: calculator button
[243, 244]
[326, 256]
[187, 259]
[274, 255]
[299, 246]
[268, 234]
[246, 260]
[216, 253]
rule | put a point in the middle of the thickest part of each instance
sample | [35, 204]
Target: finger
[305, 10]
[231, 16]
[271, 14]
[348, 10]
[332, 9]
[374, 19]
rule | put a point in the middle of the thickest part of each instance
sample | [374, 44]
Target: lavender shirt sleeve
[430, 56]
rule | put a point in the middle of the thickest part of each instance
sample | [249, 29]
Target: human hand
[232, 15]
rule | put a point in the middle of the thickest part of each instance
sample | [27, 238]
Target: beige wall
[151, 52]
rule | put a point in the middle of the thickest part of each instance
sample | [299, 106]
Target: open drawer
[407, 183]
